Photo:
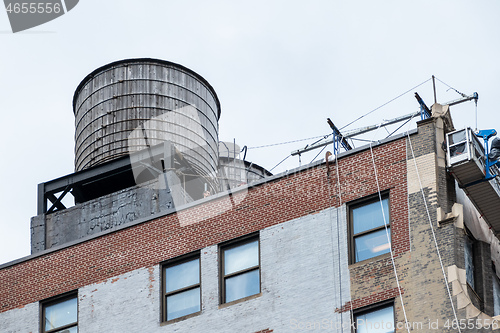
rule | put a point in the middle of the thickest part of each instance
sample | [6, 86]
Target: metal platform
[115, 175]
[466, 162]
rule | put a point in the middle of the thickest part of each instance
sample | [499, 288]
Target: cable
[458, 92]
[463, 95]
[338, 301]
[339, 268]
[284, 143]
[397, 129]
[395, 98]
[476, 114]
[433, 233]
[338, 240]
[408, 205]
[388, 237]
[407, 192]
[283, 160]
[318, 154]
[323, 138]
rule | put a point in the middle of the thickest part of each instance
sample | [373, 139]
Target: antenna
[434, 88]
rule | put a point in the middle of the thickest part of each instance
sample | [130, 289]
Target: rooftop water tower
[159, 100]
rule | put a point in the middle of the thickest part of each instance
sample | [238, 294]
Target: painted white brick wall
[299, 281]
[23, 320]
[126, 303]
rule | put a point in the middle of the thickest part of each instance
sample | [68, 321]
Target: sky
[280, 69]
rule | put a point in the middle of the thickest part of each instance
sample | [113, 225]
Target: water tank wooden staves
[166, 101]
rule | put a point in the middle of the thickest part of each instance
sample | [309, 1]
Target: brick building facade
[312, 265]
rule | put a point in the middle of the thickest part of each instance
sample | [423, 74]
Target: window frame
[470, 240]
[372, 308]
[55, 300]
[222, 277]
[496, 296]
[164, 294]
[359, 203]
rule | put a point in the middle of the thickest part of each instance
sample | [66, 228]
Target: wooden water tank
[166, 101]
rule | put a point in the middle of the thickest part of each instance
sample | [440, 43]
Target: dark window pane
[458, 150]
[370, 216]
[184, 303]
[378, 321]
[242, 285]
[496, 296]
[469, 262]
[241, 257]
[182, 275]
[372, 244]
[60, 314]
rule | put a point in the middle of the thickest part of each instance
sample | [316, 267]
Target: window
[375, 319]
[240, 269]
[496, 295]
[469, 259]
[60, 315]
[181, 287]
[368, 235]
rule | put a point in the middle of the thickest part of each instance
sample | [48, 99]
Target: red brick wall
[374, 298]
[149, 243]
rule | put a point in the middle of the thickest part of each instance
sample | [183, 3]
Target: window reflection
[182, 289]
[183, 275]
[370, 216]
[241, 271]
[372, 244]
[241, 257]
[242, 285]
[369, 237]
[376, 321]
[61, 315]
[183, 303]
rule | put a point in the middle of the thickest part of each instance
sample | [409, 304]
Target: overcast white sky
[280, 68]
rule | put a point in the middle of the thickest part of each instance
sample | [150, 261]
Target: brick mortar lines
[154, 241]
[374, 298]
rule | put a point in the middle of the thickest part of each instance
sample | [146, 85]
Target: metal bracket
[425, 112]
[338, 139]
[56, 202]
